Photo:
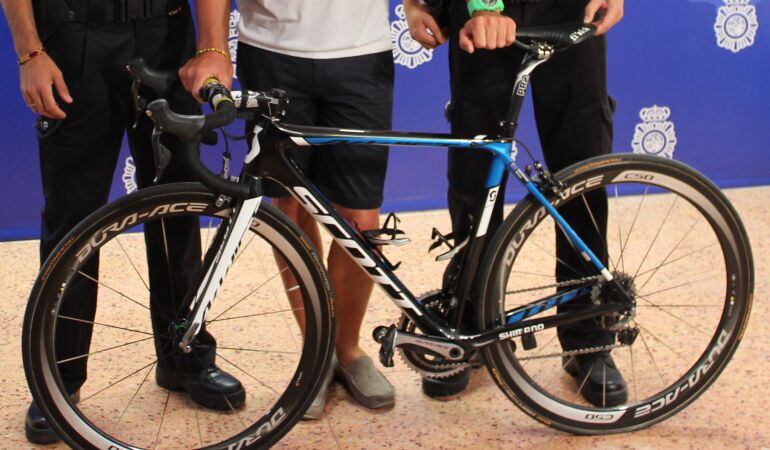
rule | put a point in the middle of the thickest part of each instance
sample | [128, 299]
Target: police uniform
[78, 156]
[574, 120]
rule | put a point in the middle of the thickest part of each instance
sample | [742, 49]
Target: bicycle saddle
[558, 35]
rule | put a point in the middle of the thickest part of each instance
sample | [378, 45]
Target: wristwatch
[484, 5]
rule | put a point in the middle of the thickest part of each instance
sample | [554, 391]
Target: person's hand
[204, 66]
[611, 13]
[39, 76]
[487, 30]
[422, 25]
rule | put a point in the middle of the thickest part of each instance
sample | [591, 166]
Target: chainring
[429, 366]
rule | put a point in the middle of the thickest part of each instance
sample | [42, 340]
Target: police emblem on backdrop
[129, 176]
[232, 39]
[406, 51]
[655, 135]
[736, 25]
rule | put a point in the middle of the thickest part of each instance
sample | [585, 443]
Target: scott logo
[359, 255]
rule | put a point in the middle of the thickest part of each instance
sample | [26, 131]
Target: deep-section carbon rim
[709, 252]
[235, 323]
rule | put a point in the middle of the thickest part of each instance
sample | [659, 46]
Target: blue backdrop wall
[690, 78]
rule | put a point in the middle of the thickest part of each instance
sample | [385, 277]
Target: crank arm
[391, 338]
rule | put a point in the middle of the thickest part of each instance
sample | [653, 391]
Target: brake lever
[161, 154]
[140, 104]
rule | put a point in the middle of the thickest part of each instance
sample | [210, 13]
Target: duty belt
[119, 11]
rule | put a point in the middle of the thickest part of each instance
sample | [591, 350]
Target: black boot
[602, 383]
[210, 387]
[37, 428]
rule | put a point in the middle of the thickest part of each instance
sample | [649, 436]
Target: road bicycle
[672, 284]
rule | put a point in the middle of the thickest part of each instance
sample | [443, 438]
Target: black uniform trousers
[78, 157]
[574, 120]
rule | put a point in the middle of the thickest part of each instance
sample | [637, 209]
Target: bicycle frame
[276, 165]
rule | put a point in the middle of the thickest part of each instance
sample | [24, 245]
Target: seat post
[533, 58]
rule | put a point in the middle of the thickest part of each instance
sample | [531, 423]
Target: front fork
[216, 268]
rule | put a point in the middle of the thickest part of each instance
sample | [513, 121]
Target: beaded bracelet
[27, 57]
[224, 53]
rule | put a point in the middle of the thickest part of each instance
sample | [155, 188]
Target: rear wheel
[676, 245]
[257, 329]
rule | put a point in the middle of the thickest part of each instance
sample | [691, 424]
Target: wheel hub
[607, 293]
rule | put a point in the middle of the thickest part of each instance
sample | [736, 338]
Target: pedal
[386, 336]
[528, 341]
[440, 239]
[389, 234]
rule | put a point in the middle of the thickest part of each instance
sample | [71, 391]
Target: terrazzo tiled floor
[734, 413]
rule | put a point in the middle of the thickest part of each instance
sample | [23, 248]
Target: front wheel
[108, 308]
[672, 240]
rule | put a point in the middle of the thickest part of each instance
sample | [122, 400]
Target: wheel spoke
[171, 287]
[131, 263]
[633, 372]
[255, 315]
[664, 344]
[694, 327]
[119, 381]
[655, 239]
[251, 292]
[102, 284]
[652, 358]
[624, 244]
[663, 263]
[74, 319]
[131, 400]
[162, 418]
[247, 374]
[671, 288]
[104, 350]
[255, 350]
[552, 255]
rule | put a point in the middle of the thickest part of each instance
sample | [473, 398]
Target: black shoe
[444, 387]
[602, 383]
[37, 428]
[211, 387]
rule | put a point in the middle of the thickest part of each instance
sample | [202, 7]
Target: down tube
[316, 205]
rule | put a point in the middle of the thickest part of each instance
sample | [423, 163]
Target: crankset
[427, 364]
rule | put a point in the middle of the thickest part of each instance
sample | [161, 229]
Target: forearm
[213, 23]
[21, 22]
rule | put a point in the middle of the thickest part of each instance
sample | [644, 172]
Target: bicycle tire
[707, 199]
[169, 201]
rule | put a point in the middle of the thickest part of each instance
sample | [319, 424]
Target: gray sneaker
[367, 385]
[316, 409]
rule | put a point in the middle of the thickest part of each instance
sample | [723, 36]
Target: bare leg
[352, 286]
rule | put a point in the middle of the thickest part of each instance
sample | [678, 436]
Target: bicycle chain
[575, 282]
[573, 353]
[445, 370]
